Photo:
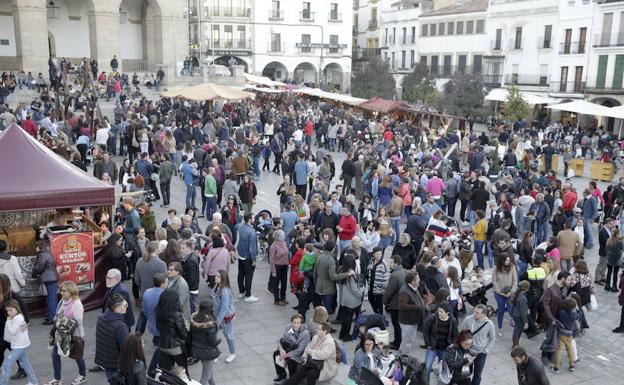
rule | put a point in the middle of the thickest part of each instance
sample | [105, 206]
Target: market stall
[208, 91]
[44, 194]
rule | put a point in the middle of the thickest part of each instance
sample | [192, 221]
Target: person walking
[172, 327]
[378, 274]
[530, 369]
[204, 340]
[151, 297]
[391, 297]
[520, 313]
[45, 271]
[110, 332]
[178, 284]
[247, 248]
[411, 311]
[16, 334]
[132, 360]
[278, 262]
[460, 360]
[483, 336]
[146, 269]
[614, 250]
[439, 331]
[225, 311]
[351, 297]
[505, 281]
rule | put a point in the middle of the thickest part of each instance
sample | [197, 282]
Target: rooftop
[465, 7]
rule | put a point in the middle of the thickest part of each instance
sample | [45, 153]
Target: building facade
[141, 33]
[302, 41]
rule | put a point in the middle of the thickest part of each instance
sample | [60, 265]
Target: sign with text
[73, 254]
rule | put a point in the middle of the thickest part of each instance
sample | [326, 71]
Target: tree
[419, 85]
[464, 94]
[373, 79]
[516, 108]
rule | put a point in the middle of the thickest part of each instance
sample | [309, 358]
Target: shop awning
[616, 112]
[581, 107]
[208, 91]
[262, 81]
[253, 88]
[500, 95]
[347, 99]
[384, 105]
[33, 177]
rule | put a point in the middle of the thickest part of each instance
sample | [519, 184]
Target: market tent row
[208, 91]
[262, 81]
[386, 106]
[587, 108]
[500, 95]
[253, 88]
[37, 178]
[347, 99]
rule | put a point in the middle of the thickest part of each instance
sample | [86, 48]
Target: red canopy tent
[383, 105]
[34, 177]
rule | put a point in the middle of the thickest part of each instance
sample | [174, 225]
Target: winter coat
[278, 255]
[430, 331]
[180, 286]
[301, 338]
[351, 295]
[614, 254]
[10, 267]
[325, 350]
[110, 332]
[520, 308]
[204, 340]
[456, 360]
[411, 306]
[378, 273]
[45, 267]
[362, 360]
[325, 276]
[173, 333]
[391, 294]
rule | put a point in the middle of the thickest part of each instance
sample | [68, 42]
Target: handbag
[445, 375]
[76, 347]
[288, 345]
[593, 303]
[315, 364]
[42, 290]
[155, 177]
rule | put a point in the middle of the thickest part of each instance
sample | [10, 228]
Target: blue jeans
[430, 355]
[191, 192]
[478, 245]
[541, 232]
[589, 238]
[479, 364]
[385, 242]
[256, 166]
[343, 245]
[490, 254]
[211, 207]
[109, 373]
[51, 287]
[332, 144]
[228, 332]
[193, 301]
[20, 355]
[395, 222]
[56, 365]
[328, 301]
[504, 305]
[522, 267]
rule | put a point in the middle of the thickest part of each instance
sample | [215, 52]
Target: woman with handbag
[582, 282]
[351, 297]
[319, 358]
[70, 308]
[204, 340]
[172, 327]
[367, 356]
[225, 311]
[45, 271]
[290, 348]
[457, 367]
[218, 258]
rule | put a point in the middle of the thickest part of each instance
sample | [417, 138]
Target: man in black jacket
[530, 369]
[110, 332]
[190, 271]
[439, 332]
[603, 236]
[327, 220]
[416, 227]
[433, 278]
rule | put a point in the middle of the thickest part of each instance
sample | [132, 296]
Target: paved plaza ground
[258, 327]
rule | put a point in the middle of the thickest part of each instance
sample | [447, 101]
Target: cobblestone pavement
[258, 327]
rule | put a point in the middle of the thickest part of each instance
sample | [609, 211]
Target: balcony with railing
[276, 47]
[229, 44]
[306, 16]
[372, 24]
[370, 52]
[335, 49]
[213, 12]
[276, 14]
[335, 17]
[526, 80]
[604, 40]
[600, 84]
[442, 71]
[305, 48]
[496, 45]
[492, 79]
[566, 87]
[572, 48]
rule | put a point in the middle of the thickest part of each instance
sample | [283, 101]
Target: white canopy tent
[348, 99]
[251, 87]
[500, 95]
[582, 107]
[616, 112]
[262, 81]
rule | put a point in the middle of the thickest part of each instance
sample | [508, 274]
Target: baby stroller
[165, 377]
[262, 231]
[478, 297]
[414, 371]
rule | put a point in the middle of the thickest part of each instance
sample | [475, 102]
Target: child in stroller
[263, 225]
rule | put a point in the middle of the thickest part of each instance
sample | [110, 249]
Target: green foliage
[373, 79]
[516, 108]
[419, 85]
[464, 94]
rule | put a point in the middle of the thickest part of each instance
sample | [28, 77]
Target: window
[424, 30]
[480, 26]
[460, 27]
[4, 41]
[578, 79]
[412, 58]
[393, 35]
[393, 63]
[499, 37]
[423, 59]
[413, 34]
[563, 80]
[386, 38]
[216, 36]
[404, 35]
[276, 42]
[620, 39]
[543, 79]
[469, 27]
[567, 41]
[450, 28]
[518, 41]
[601, 77]
[477, 64]
[447, 65]
[228, 36]
[242, 37]
[432, 29]
[605, 36]
[275, 8]
[582, 38]
[547, 36]
[333, 43]
[434, 65]
[461, 64]
[333, 13]
[441, 28]
[305, 43]
[305, 13]
[403, 59]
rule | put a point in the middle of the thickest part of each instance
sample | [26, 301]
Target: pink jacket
[435, 186]
[216, 259]
[278, 255]
[406, 194]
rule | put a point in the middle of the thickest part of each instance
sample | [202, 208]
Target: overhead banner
[73, 254]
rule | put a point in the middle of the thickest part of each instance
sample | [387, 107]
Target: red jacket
[30, 127]
[348, 225]
[309, 128]
[296, 276]
[569, 200]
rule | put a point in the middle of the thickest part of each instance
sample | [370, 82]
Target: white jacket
[12, 269]
[13, 335]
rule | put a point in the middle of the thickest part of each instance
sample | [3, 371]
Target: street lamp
[53, 11]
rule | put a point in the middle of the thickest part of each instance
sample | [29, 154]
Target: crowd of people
[401, 223]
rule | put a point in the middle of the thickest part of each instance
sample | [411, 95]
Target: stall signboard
[73, 254]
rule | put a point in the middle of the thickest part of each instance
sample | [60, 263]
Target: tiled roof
[467, 7]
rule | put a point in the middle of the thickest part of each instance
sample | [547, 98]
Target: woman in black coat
[173, 334]
[116, 255]
[204, 340]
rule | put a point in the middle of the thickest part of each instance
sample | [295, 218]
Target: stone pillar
[31, 35]
[174, 30]
[104, 32]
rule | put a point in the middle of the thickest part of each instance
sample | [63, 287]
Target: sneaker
[251, 299]
[555, 370]
[53, 382]
[572, 368]
[500, 334]
[230, 358]
[79, 380]
[618, 330]
[279, 303]
[241, 295]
